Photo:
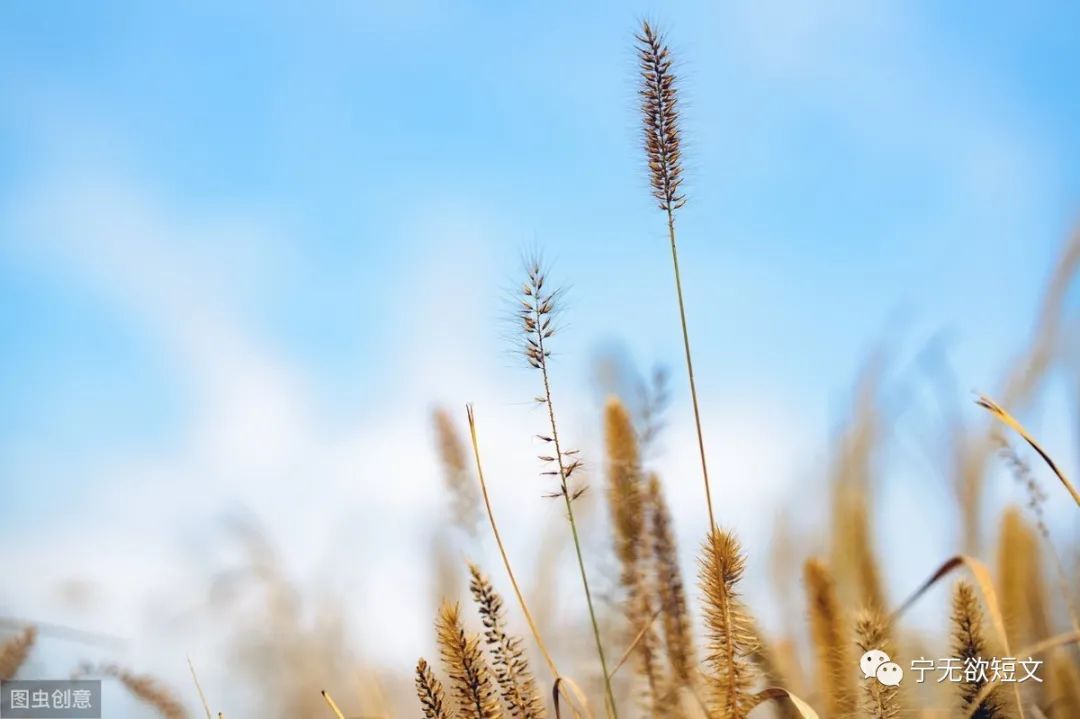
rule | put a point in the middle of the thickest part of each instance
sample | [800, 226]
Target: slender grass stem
[332, 704]
[690, 368]
[565, 490]
[198, 688]
[502, 549]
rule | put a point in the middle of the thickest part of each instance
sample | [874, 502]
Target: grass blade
[779, 694]
[998, 411]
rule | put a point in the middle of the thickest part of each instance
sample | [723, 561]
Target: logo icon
[890, 674]
[876, 664]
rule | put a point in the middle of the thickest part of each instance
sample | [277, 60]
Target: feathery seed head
[516, 684]
[872, 632]
[831, 640]
[678, 628]
[732, 639]
[145, 688]
[969, 642]
[14, 651]
[624, 486]
[464, 663]
[660, 118]
[430, 692]
[457, 474]
[536, 309]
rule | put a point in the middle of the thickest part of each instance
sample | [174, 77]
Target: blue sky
[236, 242]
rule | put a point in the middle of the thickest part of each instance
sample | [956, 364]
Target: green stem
[690, 367]
[570, 515]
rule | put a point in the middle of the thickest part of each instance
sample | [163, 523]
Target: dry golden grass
[659, 93]
[290, 651]
[974, 449]
[969, 643]
[147, 689]
[999, 412]
[1020, 581]
[732, 642]
[739, 665]
[537, 310]
[457, 477]
[833, 645]
[199, 689]
[872, 632]
[516, 684]
[677, 622]
[14, 651]
[627, 505]
[462, 658]
[430, 691]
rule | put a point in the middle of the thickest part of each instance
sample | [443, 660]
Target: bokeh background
[246, 250]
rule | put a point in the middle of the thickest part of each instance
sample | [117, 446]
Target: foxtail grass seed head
[732, 642]
[969, 643]
[464, 662]
[14, 651]
[457, 473]
[660, 118]
[624, 488]
[430, 692]
[677, 623]
[516, 684]
[832, 640]
[660, 130]
[147, 689]
[872, 633]
[1021, 582]
[626, 502]
[538, 306]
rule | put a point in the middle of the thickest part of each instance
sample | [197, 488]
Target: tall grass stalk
[660, 115]
[502, 548]
[536, 313]
[198, 688]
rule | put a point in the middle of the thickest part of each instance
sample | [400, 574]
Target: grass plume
[430, 691]
[452, 453]
[831, 640]
[969, 643]
[626, 502]
[14, 652]
[660, 119]
[872, 632]
[464, 662]
[145, 688]
[677, 623]
[852, 557]
[516, 684]
[538, 307]
[624, 489]
[659, 95]
[1020, 581]
[732, 642]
